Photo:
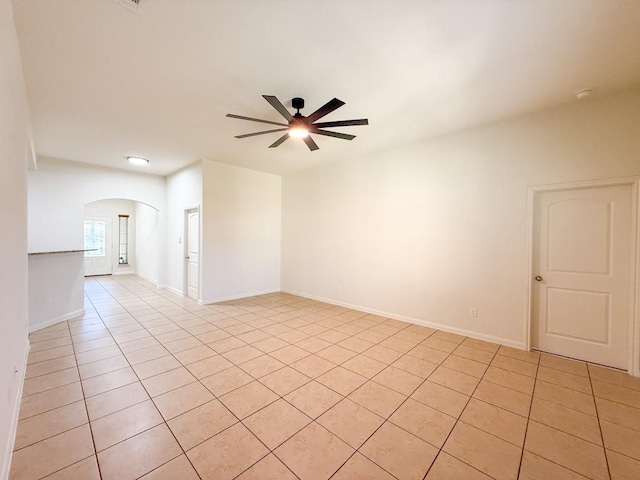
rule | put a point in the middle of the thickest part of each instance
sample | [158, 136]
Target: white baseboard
[417, 321]
[148, 279]
[239, 296]
[58, 319]
[171, 289]
[123, 272]
[13, 428]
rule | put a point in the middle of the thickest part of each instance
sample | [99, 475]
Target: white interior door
[193, 253]
[97, 239]
[582, 264]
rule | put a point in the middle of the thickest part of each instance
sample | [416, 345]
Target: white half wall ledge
[416, 321]
[58, 319]
[6, 467]
[238, 297]
[56, 288]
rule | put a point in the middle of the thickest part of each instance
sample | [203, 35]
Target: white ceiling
[104, 82]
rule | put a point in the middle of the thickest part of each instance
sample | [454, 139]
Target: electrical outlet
[473, 312]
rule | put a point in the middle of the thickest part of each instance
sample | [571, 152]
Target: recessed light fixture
[139, 161]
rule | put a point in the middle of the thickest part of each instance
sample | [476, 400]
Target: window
[123, 255]
[95, 232]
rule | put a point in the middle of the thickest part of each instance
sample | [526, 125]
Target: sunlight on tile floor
[151, 385]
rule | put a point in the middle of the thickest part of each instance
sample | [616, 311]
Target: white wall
[241, 234]
[112, 208]
[426, 231]
[14, 148]
[59, 190]
[148, 242]
[184, 190]
[56, 288]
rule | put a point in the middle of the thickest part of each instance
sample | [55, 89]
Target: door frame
[185, 248]
[634, 317]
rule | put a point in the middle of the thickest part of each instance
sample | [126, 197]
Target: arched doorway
[122, 238]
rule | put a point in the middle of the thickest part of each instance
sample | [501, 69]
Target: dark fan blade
[342, 123]
[261, 133]
[275, 103]
[343, 136]
[310, 143]
[231, 115]
[279, 141]
[326, 109]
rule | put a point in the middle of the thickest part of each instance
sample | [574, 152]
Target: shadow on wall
[123, 236]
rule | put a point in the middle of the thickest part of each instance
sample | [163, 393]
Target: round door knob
[538, 278]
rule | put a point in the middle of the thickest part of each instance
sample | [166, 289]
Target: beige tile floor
[151, 385]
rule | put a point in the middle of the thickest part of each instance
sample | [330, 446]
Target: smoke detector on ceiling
[131, 5]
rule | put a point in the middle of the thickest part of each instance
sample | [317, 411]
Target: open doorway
[123, 237]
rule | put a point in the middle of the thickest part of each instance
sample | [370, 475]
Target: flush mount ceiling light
[131, 5]
[582, 94]
[138, 161]
[299, 126]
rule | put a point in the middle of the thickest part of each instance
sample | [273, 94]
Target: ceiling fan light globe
[298, 132]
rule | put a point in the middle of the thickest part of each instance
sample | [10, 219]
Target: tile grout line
[69, 429]
[311, 379]
[526, 430]
[134, 299]
[216, 398]
[385, 420]
[382, 340]
[562, 431]
[122, 353]
[441, 449]
[84, 398]
[85, 408]
[604, 445]
[405, 400]
[150, 398]
[345, 397]
[270, 451]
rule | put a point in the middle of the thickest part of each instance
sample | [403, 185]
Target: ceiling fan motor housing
[299, 121]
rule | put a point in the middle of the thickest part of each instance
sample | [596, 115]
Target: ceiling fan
[299, 126]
